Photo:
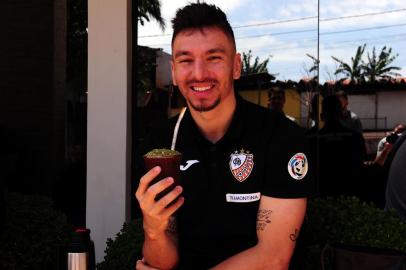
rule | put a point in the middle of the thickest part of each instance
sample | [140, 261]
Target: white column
[108, 129]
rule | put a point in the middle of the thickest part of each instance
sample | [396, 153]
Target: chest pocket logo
[188, 164]
[241, 164]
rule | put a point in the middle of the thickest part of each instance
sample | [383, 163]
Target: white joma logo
[188, 164]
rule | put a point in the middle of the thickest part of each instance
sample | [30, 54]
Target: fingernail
[157, 169]
[169, 180]
[178, 188]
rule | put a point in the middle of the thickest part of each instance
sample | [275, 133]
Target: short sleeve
[288, 163]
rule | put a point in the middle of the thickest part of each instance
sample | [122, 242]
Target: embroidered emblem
[188, 164]
[297, 166]
[241, 164]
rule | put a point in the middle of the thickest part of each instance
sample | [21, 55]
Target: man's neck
[214, 124]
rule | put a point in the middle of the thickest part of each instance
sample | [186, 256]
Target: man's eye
[184, 60]
[214, 58]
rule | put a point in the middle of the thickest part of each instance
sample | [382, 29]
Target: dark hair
[342, 93]
[331, 108]
[199, 16]
[276, 90]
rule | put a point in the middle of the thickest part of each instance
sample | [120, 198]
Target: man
[341, 152]
[277, 100]
[396, 186]
[242, 197]
[349, 118]
[389, 140]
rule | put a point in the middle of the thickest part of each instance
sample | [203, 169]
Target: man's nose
[200, 70]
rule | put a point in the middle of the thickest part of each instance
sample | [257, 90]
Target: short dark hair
[331, 108]
[199, 16]
[276, 90]
[342, 93]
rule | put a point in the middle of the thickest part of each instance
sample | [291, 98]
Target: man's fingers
[156, 188]
[141, 265]
[167, 199]
[172, 209]
[145, 180]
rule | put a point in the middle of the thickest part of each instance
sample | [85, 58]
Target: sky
[287, 31]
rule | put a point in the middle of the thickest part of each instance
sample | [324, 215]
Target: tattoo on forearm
[294, 235]
[263, 218]
[172, 227]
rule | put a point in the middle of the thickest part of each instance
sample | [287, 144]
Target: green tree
[257, 67]
[354, 70]
[148, 9]
[312, 71]
[378, 67]
[77, 34]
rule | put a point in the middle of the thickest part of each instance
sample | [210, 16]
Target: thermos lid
[80, 240]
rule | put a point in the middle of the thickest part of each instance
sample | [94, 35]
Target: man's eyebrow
[181, 53]
[216, 50]
[213, 50]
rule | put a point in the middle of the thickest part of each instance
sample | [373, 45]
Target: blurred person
[242, 201]
[395, 195]
[276, 101]
[348, 118]
[387, 142]
[341, 153]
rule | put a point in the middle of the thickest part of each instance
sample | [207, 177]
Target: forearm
[252, 259]
[277, 233]
[160, 244]
[161, 252]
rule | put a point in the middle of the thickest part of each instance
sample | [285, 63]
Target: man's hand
[156, 214]
[381, 158]
[141, 265]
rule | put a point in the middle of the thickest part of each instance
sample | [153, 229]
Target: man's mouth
[201, 88]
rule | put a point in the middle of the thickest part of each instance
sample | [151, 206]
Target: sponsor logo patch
[243, 198]
[298, 166]
[241, 164]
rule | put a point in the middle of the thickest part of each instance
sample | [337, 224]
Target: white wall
[108, 133]
[163, 69]
[393, 106]
[362, 105]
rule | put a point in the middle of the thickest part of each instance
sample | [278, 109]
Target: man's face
[204, 65]
[276, 101]
[399, 129]
[343, 101]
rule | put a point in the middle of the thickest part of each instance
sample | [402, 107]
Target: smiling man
[240, 204]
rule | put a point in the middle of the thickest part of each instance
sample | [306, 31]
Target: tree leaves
[150, 9]
[377, 67]
[354, 71]
[256, 67]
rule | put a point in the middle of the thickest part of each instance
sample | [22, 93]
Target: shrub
[347, 220]
[32, 234]
[123, 252]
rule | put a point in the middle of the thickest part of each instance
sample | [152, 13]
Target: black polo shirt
[223, 182]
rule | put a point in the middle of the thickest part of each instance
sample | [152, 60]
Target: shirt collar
[192, 133]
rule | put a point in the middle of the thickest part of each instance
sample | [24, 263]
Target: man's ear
[173, 72]
[237, 66]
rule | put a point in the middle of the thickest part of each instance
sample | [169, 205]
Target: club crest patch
[298, 166]
[241, 164]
